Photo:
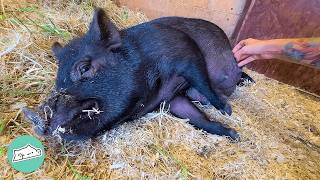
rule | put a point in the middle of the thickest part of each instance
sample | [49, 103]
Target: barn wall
[224, 13]
[266, 19]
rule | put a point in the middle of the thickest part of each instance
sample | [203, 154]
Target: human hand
[250, 49]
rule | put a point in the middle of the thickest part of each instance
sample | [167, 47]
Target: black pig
[107, 77]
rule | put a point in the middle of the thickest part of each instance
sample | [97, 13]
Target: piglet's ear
[102, 29]
[56, 49]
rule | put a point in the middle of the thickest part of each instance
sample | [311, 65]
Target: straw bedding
[279, 125]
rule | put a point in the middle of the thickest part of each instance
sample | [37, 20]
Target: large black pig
[107, 77]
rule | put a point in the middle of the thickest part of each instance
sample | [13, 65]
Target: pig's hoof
[227, 109]
[234, 135]
[245, 80]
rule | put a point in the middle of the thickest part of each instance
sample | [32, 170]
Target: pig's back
[210, 39]
[201, 31]
[175, 37]
[161, 39]
[214, 46]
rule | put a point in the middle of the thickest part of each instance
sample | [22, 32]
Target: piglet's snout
[59, 109]
[38, 122]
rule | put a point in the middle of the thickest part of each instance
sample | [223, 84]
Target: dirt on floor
[279, 124]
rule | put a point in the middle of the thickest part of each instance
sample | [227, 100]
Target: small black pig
[107, 77]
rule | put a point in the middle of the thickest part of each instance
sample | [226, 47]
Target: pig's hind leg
[194, 95]
[197, 76]
[181, 107]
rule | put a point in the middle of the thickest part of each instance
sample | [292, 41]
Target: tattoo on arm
[304, 51]
[316, 63]
[293, 53]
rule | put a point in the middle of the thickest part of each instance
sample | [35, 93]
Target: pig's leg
[181, 107]
[194, 95]
[245, 77]
[197, 76]
[168, 89]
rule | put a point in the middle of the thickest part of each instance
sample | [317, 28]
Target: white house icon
[25, 153]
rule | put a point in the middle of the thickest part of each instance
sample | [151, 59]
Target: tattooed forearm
[303, 50]
[293, 53]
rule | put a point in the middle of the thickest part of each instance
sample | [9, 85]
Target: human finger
[241, 44]
[241, 54]
[247, 60]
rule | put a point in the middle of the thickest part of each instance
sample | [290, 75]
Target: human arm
[301, 50]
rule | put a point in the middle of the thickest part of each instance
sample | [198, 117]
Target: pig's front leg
[181, 107]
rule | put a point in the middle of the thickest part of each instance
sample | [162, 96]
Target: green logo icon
[26, 154]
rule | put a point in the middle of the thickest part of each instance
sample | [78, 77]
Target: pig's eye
[83, 68]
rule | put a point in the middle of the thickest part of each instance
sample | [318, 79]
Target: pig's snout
[62, 111]
[68, 109]
[38, 123]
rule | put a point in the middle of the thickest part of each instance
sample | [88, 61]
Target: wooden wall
[224, 13]
[267, 19]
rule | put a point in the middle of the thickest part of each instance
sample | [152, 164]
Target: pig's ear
[102, 29]
[56, 49]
